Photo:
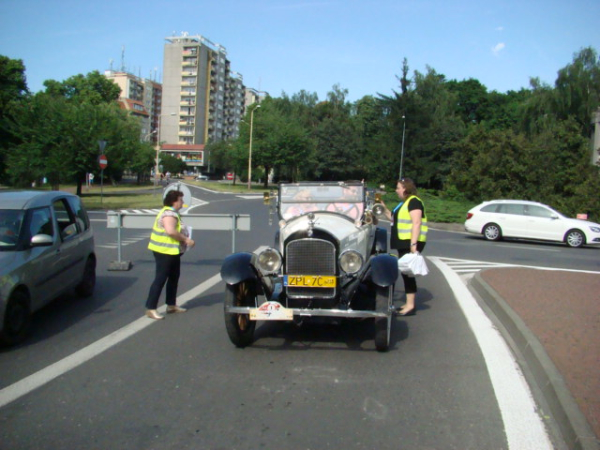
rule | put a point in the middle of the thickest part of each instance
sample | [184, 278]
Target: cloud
[498, 48]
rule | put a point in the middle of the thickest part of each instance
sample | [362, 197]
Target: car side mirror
[42, 240]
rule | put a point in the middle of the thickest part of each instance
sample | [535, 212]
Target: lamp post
[158, 149]
[402, 152]
[250, 148]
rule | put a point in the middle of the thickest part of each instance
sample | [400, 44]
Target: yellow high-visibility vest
[404, 222]
[160, 241]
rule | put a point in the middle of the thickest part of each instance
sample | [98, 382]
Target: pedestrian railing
[134, 220]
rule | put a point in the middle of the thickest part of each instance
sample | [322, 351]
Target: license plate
[312, 281]
[271, 311]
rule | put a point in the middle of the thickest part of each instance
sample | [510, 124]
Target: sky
[286, 46]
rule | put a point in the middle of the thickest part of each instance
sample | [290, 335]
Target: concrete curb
[540, 370]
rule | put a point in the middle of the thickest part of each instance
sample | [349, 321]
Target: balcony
[187, 112]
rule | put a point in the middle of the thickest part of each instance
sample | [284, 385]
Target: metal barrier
[216, 222]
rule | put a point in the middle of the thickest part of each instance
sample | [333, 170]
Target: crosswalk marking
[126, 241]
[465, 266]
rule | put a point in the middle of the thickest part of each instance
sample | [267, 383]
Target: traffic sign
[187, 195]
[103, 161]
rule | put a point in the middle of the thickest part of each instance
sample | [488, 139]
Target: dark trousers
[167, 271]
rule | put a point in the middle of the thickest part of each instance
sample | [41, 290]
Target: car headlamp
[595, 229]
[269, 260]
[351, 261]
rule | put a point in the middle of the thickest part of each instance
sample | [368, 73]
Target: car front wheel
[240, 328]
[17, 319]
[575, 238]
[383, 325]
[492, 232]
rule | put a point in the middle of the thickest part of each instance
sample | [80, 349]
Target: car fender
[384, 270]
[237, 268]
[381, 240]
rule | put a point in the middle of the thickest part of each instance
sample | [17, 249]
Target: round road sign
[103, 161]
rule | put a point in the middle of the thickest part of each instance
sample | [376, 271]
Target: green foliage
[438, 207]
[94, 88]
[172, 164]
[456, 137]
[13, 88]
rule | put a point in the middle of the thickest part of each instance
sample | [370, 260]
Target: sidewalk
[551, 319]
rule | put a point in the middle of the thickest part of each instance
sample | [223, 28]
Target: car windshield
[298, 199]
[11, 225]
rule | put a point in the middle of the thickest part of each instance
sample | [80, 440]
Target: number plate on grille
[271, 311]
[313, 281]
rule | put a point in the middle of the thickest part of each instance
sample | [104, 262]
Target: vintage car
[329, 261]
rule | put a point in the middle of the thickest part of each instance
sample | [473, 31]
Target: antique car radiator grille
[310, 257]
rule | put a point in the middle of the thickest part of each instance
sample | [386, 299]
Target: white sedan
[529, 220]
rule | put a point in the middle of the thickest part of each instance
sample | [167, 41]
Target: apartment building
[142, 98]
[203, 99]
[252, 96]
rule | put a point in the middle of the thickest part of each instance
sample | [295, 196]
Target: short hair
[410, 188]
[171, 197]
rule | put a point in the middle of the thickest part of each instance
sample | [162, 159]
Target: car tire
[575, 238]
[240, 328]
[86, 286]
[17, 319]
[492, 232]
[383, 325]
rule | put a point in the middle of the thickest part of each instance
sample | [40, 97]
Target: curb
[539, 369]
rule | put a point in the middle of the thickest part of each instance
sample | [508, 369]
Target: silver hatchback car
[46, 249]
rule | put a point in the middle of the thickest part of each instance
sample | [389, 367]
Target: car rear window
[490, 208]
[511, 208]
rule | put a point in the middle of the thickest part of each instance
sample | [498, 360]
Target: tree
[94, 88]
[13, 84]
[578, 89]
[172, 164]
[58, 139]
[13, 88]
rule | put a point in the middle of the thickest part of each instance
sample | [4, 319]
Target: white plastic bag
[413, 264]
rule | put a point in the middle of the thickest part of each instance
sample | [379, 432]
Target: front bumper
[307, 312]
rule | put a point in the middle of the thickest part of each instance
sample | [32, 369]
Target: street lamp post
[250, 148]
[402, 152]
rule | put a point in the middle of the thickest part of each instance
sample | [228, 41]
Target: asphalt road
[179, 383]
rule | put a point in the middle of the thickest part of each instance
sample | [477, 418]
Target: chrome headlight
[269, 260]
[351, 261]
[595, 229]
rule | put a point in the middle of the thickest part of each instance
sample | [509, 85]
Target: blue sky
[292, 45]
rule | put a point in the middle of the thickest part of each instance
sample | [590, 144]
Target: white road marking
[523, 427]
[466, 265]
[38, 379]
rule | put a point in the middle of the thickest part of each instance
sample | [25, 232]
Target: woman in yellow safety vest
[409, 234]
[168, 241]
